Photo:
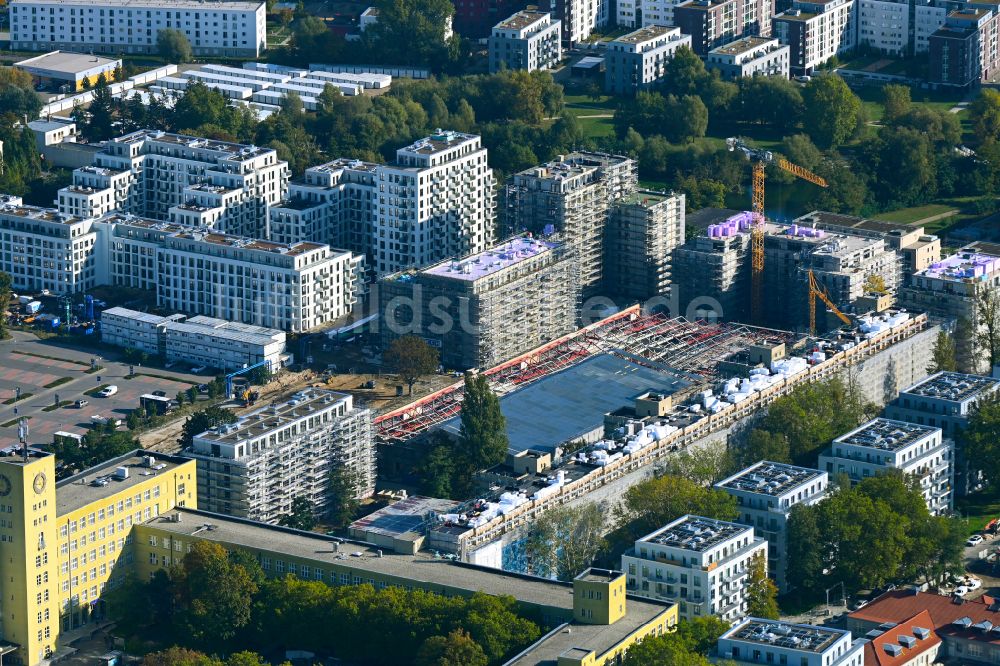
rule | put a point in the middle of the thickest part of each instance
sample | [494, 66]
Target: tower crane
[760, 159]
[817, 291]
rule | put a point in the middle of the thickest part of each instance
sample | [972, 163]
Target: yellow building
[72, 72]
[64, 544]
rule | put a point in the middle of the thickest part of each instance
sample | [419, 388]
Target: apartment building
[527, 40]
[965, 51]
[217, 185]
[699, 563]
[714, 23]
[638, 60]
[897, 28]
[65, 544]
[642, 231]
[227, 28]
[945, 400]
[474, 19]
[884, 444]
[485, 308]
[765, 493]
[816, 31]
[710, 272]
[642, 13]
[581, 18]
[198, 340]
[572, 197]
[256, 467]
[44, 249]
[758, 641]
[750, 56]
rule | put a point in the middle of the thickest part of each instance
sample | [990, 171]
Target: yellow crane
[818, 291]
[760, 159]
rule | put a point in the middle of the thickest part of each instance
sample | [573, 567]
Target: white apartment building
[750, 56]
[898, 28]
[223, 186]
[639, 59]
[640, 13]
[527, 40]
[44, 249]
[580, 18]
[816, 31]
[223, 28]
[254, 468]
[199, 340]
[757, 641]
[434, 202]
[765, 493]
[699, 563]
[883, 444]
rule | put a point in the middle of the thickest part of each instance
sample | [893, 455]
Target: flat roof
[742, 45]
[771, 478]
[48, 125]
[572, 402]
[695, 533]
[799, 637]
[491, 261]
[963, 267]
[439, 141]
[952, 386]
[66, 62]
[135, 315]
[886, 434]
[522, 20]
[272, 417]
[646, 198]
[226, 5]
[407, 515]
[99, 482]
[645, 34]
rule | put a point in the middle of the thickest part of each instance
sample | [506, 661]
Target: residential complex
[474, 19]
[638, 60]
[640, 236]
[758, 641]
[581, 18]
[965, 50]
[714, 23]
[750, 56]
[816, 31]
[899, 28]
[883, 444]
[710, 272]
[488, 307]
[527, 40]
[945, 400]
[226, 187]
[641, 13]
[256, 467]
[572, 197]
[765, 493]
[227, 28]
[199, 340]
[701, 564]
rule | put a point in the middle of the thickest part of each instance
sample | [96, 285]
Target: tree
[411, 358]
[896, 101]
[800, 150]
[981, 437]
[343, 497]
[133, 421]
[300, 515]
[455, 649]
[761, 592]
[191, 394]
[17, 93]
[985, 114]
[413, 32]
[765, 445]
[199, 105]
[565, 540]
[179, 656]
[654, 503]
[216, 595]
[181, 397]
[703, 465]
[943, 358]
[203, 420]
[173, 45]
[6, 281]
[966, 351]
[483, 431]
[662, 650]
[701, 634]
[833, 110]
[988, 329]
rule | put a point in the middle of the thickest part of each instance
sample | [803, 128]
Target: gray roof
[77, 491]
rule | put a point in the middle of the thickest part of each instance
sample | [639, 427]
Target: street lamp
[843, 594]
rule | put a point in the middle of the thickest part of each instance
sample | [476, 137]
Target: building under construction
[256, 467]
[572, 196]
[713, 272]
[639, 239]
[487, 307]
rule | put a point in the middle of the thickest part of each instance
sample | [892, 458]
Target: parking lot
[45, 371]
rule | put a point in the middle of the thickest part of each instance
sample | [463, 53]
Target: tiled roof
[899, 606]
[891, 648]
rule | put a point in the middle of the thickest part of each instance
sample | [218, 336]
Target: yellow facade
[57, 565]
[663, 623]
[91, 81]
[599, 596]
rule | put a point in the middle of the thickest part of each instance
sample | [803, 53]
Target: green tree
[300, 515]
[245, 658]
[800, 150]
[896, 101]
[703, 465]
[133, 421]
[701, 634]
[17, 93]
[455, 649]
[765, 445]
[181, 397]
[565, 540]
[198, 106]
[6, 282]
[483, 426]
[762, 593]
[988, 331]
[981, 438]
[656, 502]
[985, 114]
[191, 394]
[215, 594]
[662, 650]
[967, 352]
[413, 32]
[203, 420]
[943, 358]
[179, 656]
[833, 110]
[685, 73]
[411, 358]
[173, 46]
[343, 497]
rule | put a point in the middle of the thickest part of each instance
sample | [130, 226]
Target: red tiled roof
[898, 606]
[877, 655]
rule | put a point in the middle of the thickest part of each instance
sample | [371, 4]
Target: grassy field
[915, 214]
[977, 510]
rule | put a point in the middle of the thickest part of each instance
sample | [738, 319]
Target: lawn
[915, 214]
[977, 510]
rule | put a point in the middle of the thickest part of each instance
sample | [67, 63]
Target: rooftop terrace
[886, 434]
[695, 533]
[438, 142]
[522, 20]
[741, 46]
[803, 637]
[645, 34]
[770, 478]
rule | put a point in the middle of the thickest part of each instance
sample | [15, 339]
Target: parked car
[202, 388]
[859, 604]
[81, 403]
[108, 391]
[961, 591]
[97, 419]
[974, 540]
[198, 369]
[805, 78]
[169, 364]
[973, 583]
